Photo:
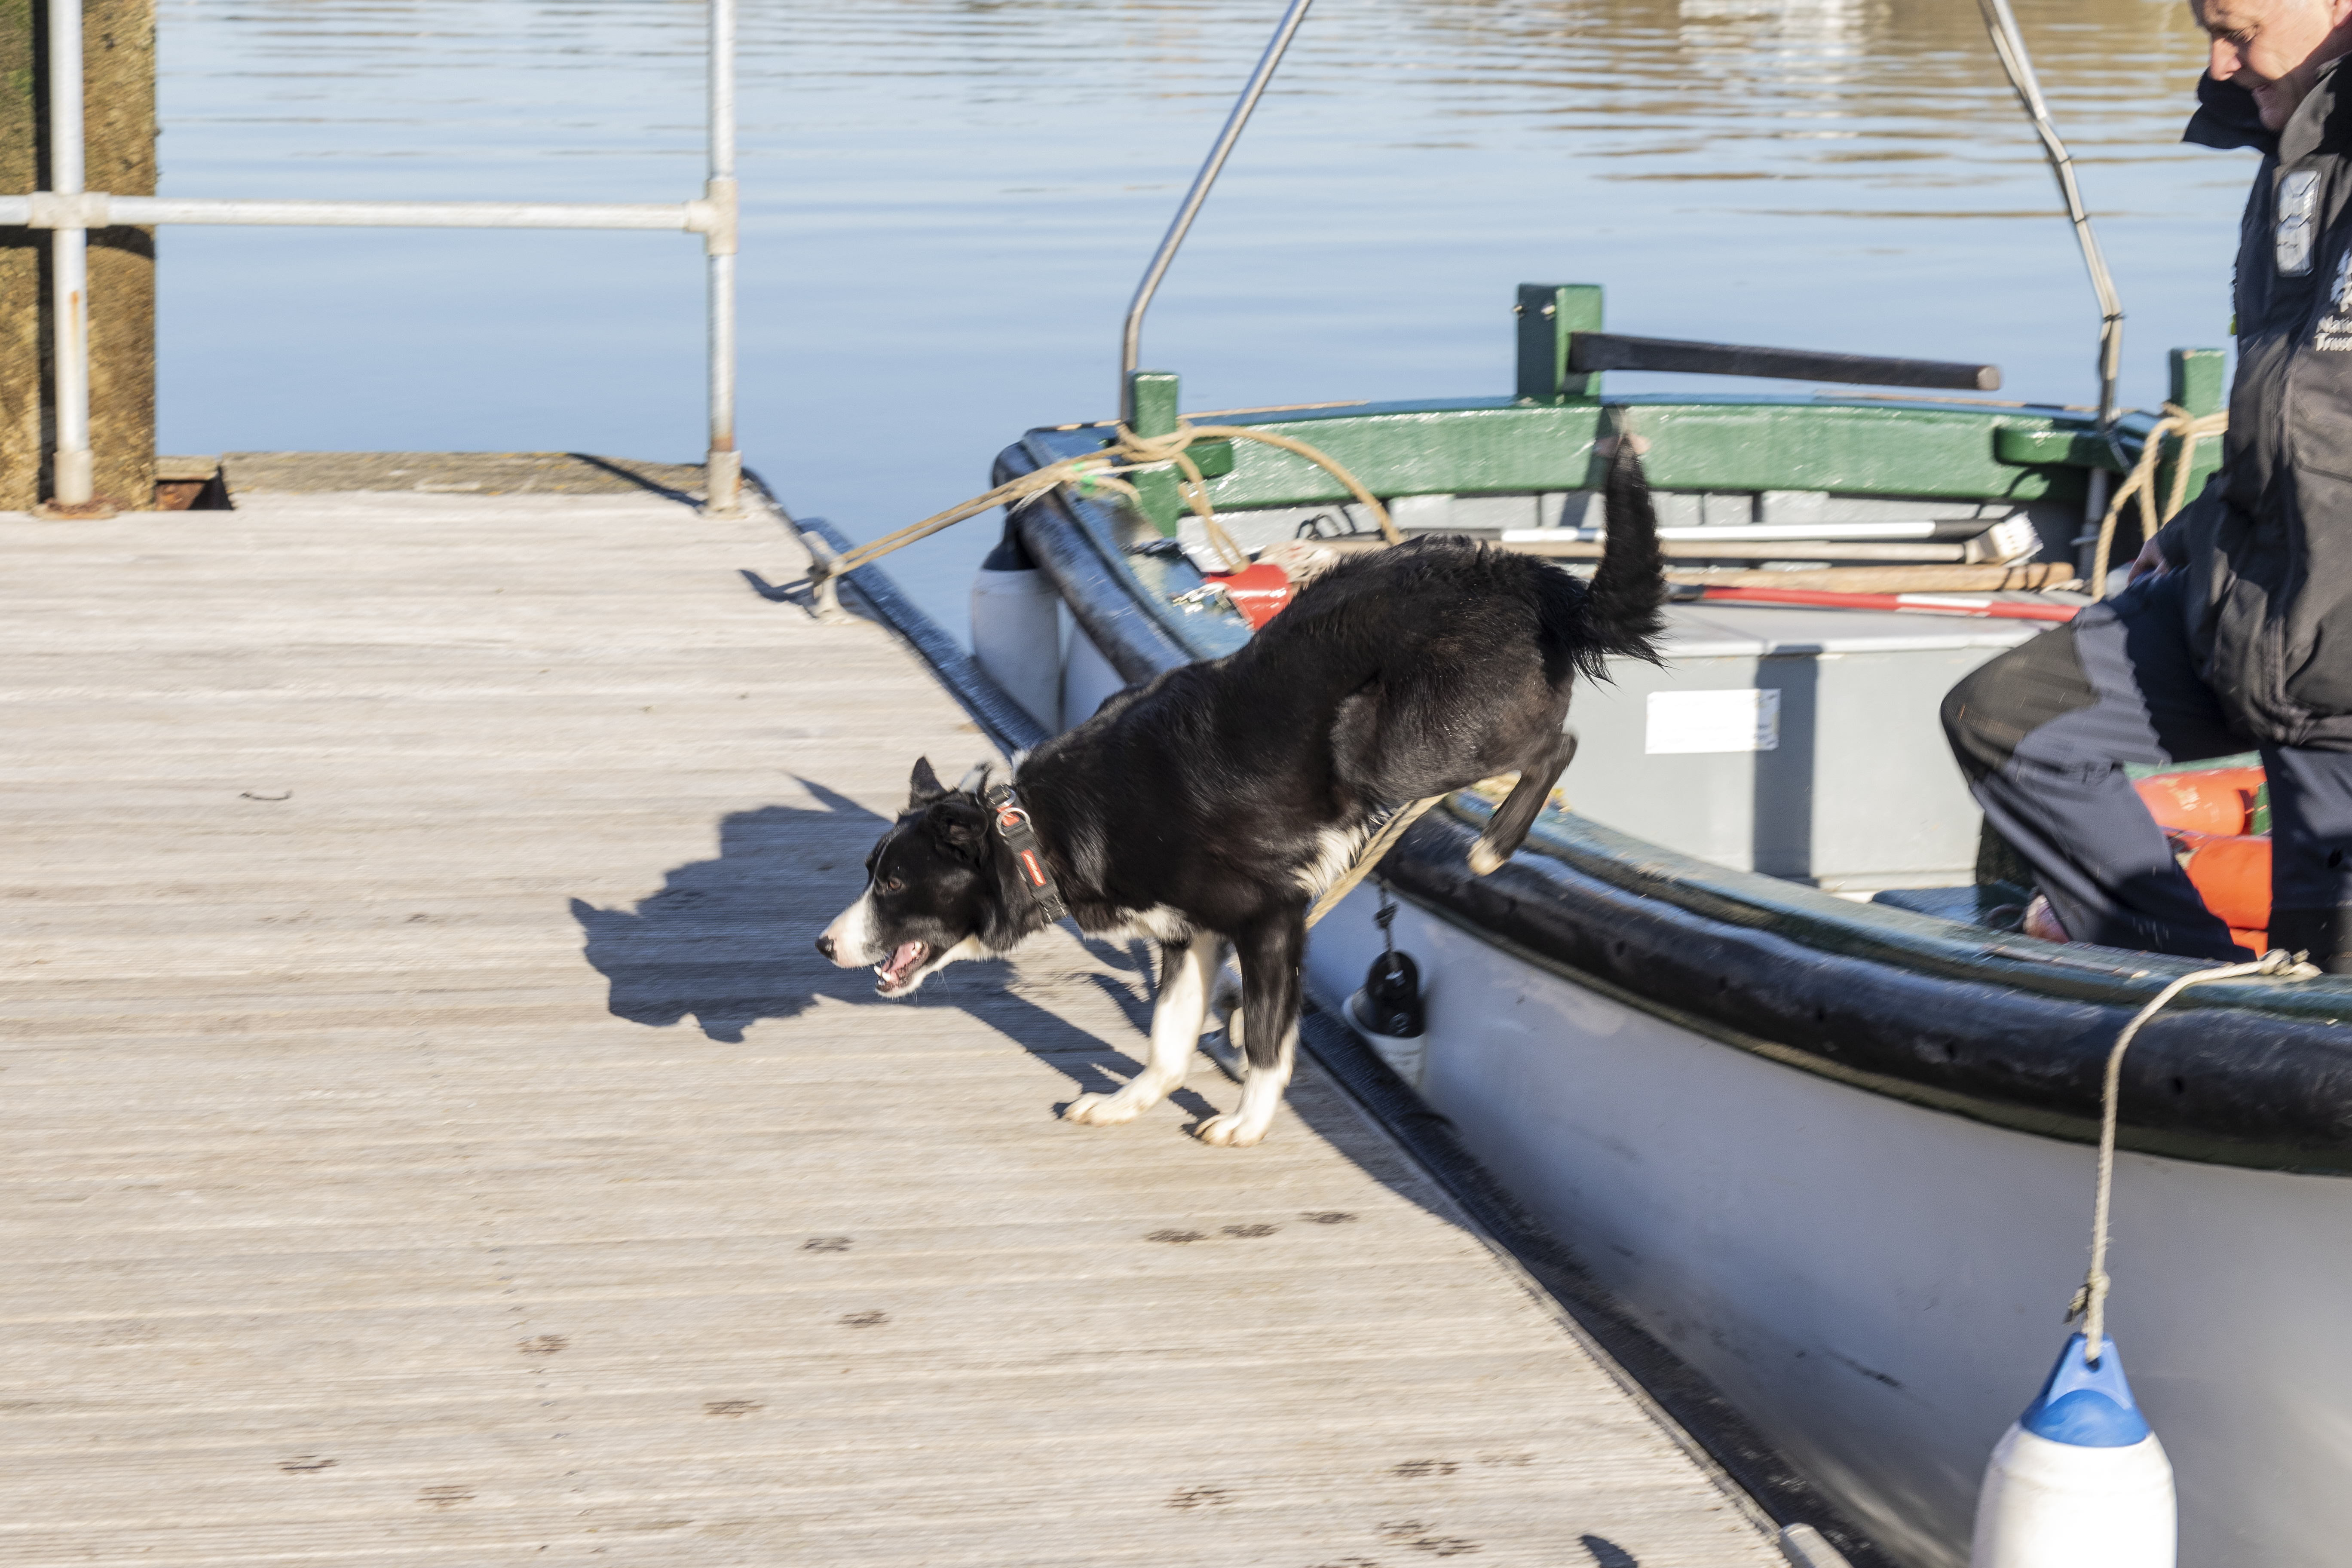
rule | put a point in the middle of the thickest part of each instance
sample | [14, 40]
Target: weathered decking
[428, 1136]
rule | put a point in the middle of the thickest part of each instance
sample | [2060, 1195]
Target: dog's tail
[1623, 612]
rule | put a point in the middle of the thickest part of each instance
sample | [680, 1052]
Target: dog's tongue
[901, 961]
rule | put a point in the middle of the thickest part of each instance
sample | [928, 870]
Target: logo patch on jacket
[2335, 330]
[2298, 223]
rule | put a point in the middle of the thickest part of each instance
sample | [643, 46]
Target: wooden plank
[369, 1198]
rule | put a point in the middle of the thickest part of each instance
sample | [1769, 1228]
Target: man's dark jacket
[2269, 544]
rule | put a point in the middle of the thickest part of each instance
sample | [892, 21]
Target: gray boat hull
[1878, 1286]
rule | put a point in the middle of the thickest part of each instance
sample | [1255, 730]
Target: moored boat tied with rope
[1753, 1022]
[1749, 1022]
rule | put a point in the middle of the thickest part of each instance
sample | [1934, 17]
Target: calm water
[948, 205]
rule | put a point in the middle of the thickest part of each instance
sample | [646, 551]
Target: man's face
[2274, 47]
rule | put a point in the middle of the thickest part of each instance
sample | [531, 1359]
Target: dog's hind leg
[1271, 954]
[1508, 828]
[1188, 969]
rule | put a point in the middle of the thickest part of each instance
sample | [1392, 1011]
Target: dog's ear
[974, 782]
[960, 826]
[924, 787]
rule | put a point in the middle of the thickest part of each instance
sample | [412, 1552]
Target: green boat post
[2199, 386]
[1548, 313]
[1152, 394]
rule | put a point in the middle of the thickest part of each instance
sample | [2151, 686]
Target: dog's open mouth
[891, 974]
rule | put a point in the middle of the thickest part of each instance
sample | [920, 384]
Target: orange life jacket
[2208, 817]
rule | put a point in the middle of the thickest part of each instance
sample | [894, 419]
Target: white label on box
[1714, 722]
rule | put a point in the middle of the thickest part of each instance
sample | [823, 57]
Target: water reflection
[949, 203]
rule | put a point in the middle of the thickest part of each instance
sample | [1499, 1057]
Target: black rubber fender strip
[2218, 1084]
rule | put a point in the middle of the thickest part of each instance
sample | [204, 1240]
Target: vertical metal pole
[2009, 43]
[71, 279]
[723, 465]
[1130, 348]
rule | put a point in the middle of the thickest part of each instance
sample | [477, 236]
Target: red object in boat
[2232, 874]
[1259, 591]
[2205, 814]
[2208, 800]
[1916, 604]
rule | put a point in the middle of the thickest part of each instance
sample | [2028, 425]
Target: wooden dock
[431, 1138]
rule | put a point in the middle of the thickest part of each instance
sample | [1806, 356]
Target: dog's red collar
[1020, 835]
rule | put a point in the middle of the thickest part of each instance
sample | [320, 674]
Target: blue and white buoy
[2079, 1478]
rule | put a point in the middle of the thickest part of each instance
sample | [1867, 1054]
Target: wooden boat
[1743, 1025]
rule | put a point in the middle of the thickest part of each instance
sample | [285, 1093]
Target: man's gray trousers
[2043, 734]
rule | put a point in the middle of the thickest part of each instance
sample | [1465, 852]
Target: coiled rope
[2141, 483]
[1129, 454]
[2091, 1301]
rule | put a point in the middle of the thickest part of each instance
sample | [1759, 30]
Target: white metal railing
[70, 212]
[1131, 342]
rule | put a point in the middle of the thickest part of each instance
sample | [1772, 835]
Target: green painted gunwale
[1852, 446]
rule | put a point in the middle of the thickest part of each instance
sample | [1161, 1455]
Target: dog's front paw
[1483, 860]
[1229, 1132]
[1102, 1110]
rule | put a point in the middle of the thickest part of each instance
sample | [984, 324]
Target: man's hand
[2150, 563]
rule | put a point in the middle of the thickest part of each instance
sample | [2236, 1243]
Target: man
[2237, 628]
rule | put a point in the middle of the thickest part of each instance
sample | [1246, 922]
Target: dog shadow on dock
[728, 943]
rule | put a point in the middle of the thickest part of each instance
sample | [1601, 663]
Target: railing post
[69, 259]
[723, 465]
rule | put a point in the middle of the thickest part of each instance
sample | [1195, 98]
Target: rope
[1244, 433]
[1370, 857]
[1100, 471]
[2091, 1301]
[2177, 421]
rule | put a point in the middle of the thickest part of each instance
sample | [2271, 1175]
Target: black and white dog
[1213, 804]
